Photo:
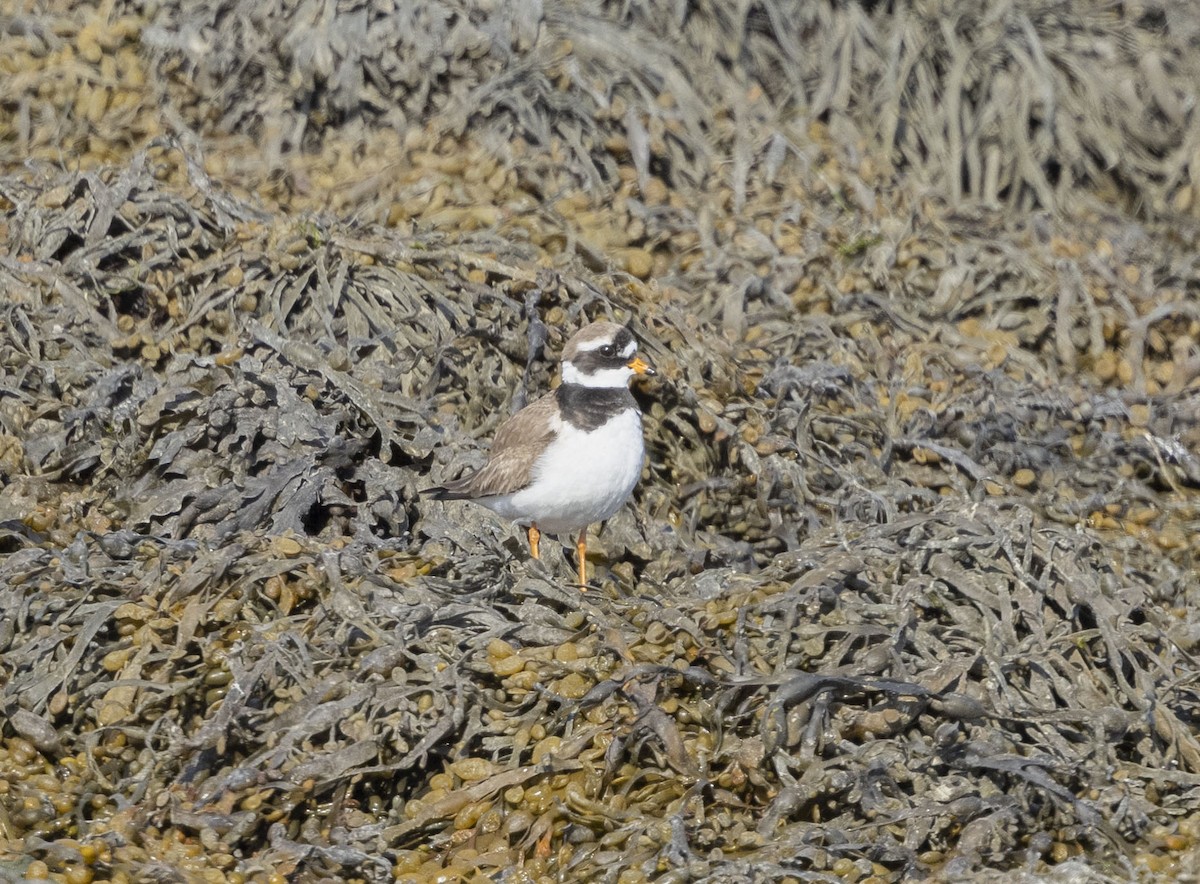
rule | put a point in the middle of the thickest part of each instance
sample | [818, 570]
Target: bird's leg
[581, 548]
[534, 536]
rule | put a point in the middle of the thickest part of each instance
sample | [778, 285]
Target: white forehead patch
[588, 346]
[596, 344]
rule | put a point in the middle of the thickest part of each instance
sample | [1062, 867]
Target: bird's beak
[640, 366]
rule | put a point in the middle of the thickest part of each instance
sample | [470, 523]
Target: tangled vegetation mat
[908, 589]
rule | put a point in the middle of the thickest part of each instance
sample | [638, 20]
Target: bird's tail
[444, 492]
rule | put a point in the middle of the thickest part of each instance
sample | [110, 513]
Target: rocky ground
[908, 589]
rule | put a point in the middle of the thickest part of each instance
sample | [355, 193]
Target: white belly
[582, 478]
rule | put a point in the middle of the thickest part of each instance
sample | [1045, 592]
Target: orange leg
[581, 548]
[534, 536]
[542, 848]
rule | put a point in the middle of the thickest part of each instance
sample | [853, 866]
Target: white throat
[609, 377]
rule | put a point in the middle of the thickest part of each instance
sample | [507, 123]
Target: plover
[571, 458]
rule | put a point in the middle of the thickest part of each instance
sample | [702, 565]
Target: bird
[571, 458]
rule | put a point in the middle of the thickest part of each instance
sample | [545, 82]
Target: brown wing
[519, 442]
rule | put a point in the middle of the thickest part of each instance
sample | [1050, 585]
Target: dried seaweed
[907, 588]
[1026, 104]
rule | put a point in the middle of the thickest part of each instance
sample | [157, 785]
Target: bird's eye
[607, 350]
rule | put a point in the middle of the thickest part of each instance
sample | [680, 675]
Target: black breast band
[589, 408]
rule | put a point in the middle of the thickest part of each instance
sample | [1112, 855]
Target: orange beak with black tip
[640, 366]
